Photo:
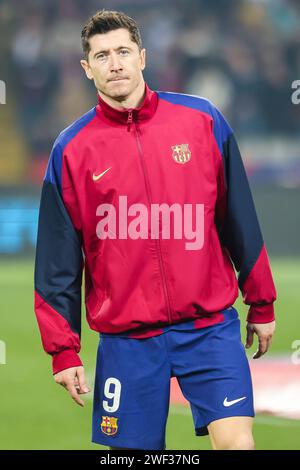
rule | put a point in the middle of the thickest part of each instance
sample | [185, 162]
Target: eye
[124, 51]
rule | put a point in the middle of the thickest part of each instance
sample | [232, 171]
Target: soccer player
[125, 187]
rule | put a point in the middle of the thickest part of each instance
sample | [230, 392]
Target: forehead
[111, 40]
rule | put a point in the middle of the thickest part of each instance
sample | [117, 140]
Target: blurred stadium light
[2, 92]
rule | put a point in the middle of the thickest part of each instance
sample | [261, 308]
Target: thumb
[81, 380]
[249, 340]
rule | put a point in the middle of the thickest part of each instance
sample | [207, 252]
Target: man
[161, 295]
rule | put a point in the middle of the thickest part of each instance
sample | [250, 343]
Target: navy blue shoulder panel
[53, 172]
[222, 129]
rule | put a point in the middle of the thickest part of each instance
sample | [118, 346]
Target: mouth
[118, 80]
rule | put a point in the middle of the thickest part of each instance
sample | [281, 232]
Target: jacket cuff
[64, 360]
[261, 314]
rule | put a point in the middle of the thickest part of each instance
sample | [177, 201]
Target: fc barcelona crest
[181, 153]
[109, 425]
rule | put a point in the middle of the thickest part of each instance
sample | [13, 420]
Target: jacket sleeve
[58, 272]
[239, 228]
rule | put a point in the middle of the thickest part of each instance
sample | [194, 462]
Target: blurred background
[243, 55]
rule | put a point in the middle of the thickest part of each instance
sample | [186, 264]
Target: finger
[76, 384]
[77, 387]
[269, 342]
[64, 385]
[249, 340]
[262, 347]
[73, 392]
[81, 381]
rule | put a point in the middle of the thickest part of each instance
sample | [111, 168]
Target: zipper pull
[129, 120]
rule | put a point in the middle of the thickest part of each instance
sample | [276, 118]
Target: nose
[115, 63]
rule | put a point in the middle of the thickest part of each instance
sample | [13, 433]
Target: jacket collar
[145, 111]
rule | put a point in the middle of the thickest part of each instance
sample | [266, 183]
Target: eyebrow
[116, 49]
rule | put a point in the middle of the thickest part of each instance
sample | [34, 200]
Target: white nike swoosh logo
[97, 177]
[232, 402]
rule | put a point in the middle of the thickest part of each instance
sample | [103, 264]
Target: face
[114, 63]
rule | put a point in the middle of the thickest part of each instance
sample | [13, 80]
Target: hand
[265, 332]
[73, 379]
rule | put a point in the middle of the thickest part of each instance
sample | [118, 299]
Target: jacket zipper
[157, 240]
[129, 120]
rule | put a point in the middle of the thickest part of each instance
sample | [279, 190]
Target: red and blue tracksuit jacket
[138, 286]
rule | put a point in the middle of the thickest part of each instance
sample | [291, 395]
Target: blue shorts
[132, 384]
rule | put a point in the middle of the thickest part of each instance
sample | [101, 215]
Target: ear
[143, 59]
[86, 67]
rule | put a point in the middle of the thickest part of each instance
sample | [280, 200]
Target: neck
[131, 101]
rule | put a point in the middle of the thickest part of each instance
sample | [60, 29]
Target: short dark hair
[108, 20]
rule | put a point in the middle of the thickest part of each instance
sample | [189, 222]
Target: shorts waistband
[229, 313]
